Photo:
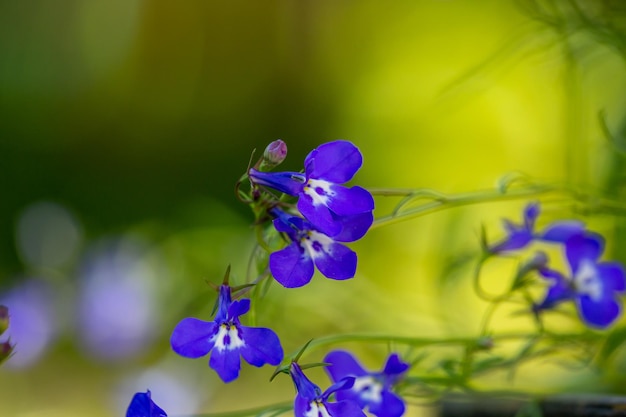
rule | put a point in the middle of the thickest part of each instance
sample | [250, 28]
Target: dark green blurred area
[139, 116]
[129, 110]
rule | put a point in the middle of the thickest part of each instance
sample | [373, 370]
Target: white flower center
[227, 338]
[317, 409]
[586, 281]
[316, 244]
[369, 389]
[319, 191]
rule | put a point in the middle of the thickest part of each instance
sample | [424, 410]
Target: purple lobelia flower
[327, 204]
[519, 236]
[142, 406]
[312, 402]
[294, 265]
[593, 285]
[370, 389]
[227, 338]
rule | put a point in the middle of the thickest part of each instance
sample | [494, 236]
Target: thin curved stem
[272, 409]
[444, 201]
[411, 341]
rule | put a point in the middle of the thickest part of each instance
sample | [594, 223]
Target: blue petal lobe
[238, 308]
[353, 227]
[531, 212]
[390, 406]
[562, 231]
[262, 346]
[223, 302]
[344, 383]
[516, 240]
[282, 226]
[395, 365]
[142, 406]
[612, 276]
[319, 215]
[559, 290]
[335, 161]
[342, 364]
[344, 409]
[288, 223]
[348, 201]
[588, 246]
[192, 338]
[286, 182]
[599, 313]
[306, 389]
[301, 406]
[292, 267]
[226, 363]
[338, 262]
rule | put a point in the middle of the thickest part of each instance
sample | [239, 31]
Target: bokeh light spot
[47, 235]
[117, 312]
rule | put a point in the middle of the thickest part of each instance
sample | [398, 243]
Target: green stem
[444, 201]
[258, 411]
[412, 341]
[511, 187]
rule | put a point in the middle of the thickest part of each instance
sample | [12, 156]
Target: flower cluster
[327, 213]
[316, 215]
[355, 389]
[592, 285]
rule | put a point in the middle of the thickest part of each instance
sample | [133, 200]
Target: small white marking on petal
[231, 331]
[317, 244]
[318, 409]
[311, 187]
[368, 388]
[586, 281]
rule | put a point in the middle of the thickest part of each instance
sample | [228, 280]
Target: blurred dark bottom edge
[565, 405]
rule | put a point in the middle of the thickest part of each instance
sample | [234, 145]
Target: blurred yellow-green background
[125, 124]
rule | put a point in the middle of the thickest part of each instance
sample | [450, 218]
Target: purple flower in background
[294, 265]
[593, 285]
[312, 402]
[34, 322]
[521, 235]
[142, 406]
[322, 199]
[370, 389]
[228, 339]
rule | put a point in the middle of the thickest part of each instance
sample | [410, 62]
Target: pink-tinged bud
[539, 260]
[274, 154]
[4, 318]
[6, 349]
[485, 343]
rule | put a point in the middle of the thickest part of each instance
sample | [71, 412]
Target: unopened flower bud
[273, 155]
[538, 261]
[6, 349]
[485, 343]
[4, 318]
